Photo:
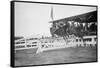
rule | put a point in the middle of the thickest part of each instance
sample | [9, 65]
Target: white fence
[26, 44]
[72, 42]
[45, 44]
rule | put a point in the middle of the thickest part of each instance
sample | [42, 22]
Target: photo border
[12, 19]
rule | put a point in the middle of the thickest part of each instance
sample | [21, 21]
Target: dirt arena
[65, 55]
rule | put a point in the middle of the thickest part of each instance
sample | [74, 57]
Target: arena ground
[65, 55]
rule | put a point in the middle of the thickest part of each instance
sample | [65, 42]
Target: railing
[70, 43]
[26, 44]
[58, 43]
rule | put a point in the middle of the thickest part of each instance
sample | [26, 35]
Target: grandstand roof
[86, 17]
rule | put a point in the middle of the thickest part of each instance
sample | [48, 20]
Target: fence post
[39, 47]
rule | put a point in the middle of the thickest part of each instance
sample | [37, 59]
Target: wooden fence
[45, 44]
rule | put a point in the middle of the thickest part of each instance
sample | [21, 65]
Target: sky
[33, 19]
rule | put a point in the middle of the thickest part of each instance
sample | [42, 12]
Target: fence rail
[50, 44]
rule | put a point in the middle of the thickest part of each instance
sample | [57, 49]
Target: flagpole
[52, 13]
